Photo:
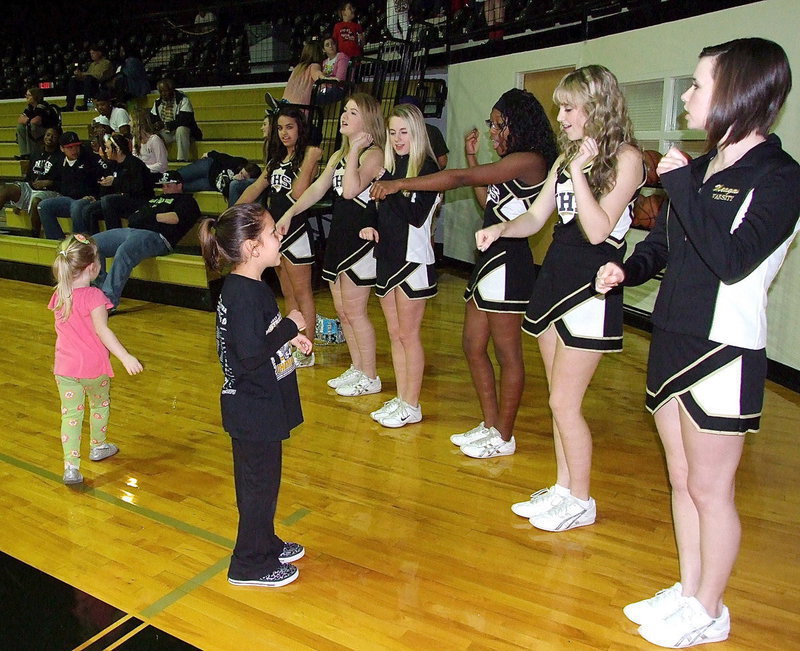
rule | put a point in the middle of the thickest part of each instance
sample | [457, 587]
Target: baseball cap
[69, 139]
[170, 176]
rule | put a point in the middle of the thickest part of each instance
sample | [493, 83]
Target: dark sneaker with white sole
[291, 552]
[284, 575]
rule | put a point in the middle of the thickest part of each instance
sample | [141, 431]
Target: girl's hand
[672, 160]
[587, 151]
[106, 181]
[368, 233]
[608, 277]
[361, 141]
[303, 343]
[282, 227]
[297, 317]
[380, 189]
[472, 142]
[132, 365]
[486, 236]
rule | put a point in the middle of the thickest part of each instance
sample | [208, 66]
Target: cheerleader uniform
[564, 294]
[502, 279]
[404, 253]
[722, 241]
[345, 251]
[296, 245]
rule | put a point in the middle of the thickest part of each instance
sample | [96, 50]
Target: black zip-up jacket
[722, 242]
[80, 179]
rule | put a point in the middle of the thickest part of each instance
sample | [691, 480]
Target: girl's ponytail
[75, 254]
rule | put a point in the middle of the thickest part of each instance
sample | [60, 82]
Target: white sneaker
[405, 414]
[301, 360]
[361, 387]
[388, 407]
[567, 514]
[664, 603]
[344, 378]
[475, 434]
[491, 446]
[689, 625]
[540, 501]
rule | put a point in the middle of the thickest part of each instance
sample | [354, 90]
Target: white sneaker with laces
[540, 501]
[689, 625]
[492, 446]
[664, 603]
[349, 375]
[405, 414]
[363, 386]
[475, 434]
[569, 513]
[388, 407]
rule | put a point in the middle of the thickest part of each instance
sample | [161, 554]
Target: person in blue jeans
[153, 231]
[216, 171]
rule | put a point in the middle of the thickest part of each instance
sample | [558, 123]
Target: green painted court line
[294, 517]
[195, 582]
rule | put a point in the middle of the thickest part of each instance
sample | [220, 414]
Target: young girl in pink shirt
[83, 339]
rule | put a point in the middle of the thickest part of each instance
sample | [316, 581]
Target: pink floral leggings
[73, 392]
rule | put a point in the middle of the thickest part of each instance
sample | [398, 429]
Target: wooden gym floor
[409, 543]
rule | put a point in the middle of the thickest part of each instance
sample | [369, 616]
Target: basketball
[651, 158]
[646, 209]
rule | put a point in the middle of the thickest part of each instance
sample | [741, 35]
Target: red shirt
[346, 36]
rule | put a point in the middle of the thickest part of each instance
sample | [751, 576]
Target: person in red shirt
[347, 33]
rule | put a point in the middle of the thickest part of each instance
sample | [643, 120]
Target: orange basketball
[646, 209]
[651, 158]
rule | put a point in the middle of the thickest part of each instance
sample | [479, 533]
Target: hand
[303, 343]
[132, 365]
[486, 236]
[106, 181]
[282, 227]
[381, 189]
[297, 317]
[608, 277]
[89, 198]
[672, 160]
[360, 142]
[587, 151]
[38, 185]
[204, 155]
[368, 233]
[472, 142]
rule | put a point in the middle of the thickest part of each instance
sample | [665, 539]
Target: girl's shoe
[405, 414]
[349, 375]
[103, 451]
[388, 407]
[72, 476]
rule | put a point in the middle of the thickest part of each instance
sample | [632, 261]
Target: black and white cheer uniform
[564, 294]
[722, 241]
[503, 277]
[404, 252]
[296, 245]
[345, 251]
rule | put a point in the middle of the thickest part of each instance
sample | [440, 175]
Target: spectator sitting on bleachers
[333, 67]
[238, 186]
[305, 73]
[215, 171]
[32, 123]
[129, 186]
[39, 183]
[98, 129]
[205, 21]
[118, 118]
[130, 80]
[347, 33]
[90, 80]
[76, 178]
[175, 119]
[147, 144]
[153, 230]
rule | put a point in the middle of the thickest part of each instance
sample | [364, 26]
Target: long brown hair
[75, 254]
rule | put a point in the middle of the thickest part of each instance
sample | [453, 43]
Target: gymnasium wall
[651, 53]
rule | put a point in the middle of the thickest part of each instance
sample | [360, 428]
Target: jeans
[51, 209]
[88, 86]
[236, 188]
[128, 247]
[195, 176]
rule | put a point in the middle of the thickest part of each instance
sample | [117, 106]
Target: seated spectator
[129, 186]
[175, 120]
[98, 129]
[216, 171]
[118, 118]
[39, 183]
[304, 74]
[130, 80]
[347, 33]
[153, 230]
[32, 123]
[205, 21]
[333, 67]
[88, 81]
[238, 186]
[147, 144]
[438, 144]
[76, 177]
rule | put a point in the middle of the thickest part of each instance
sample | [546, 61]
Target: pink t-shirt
[79, 351]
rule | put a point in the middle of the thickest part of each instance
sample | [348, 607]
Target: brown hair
[75, 254]
[221, 238]
[751, 81]
[141, 128]
[37, 94]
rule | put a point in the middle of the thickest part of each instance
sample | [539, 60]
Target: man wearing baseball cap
[152, 231]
